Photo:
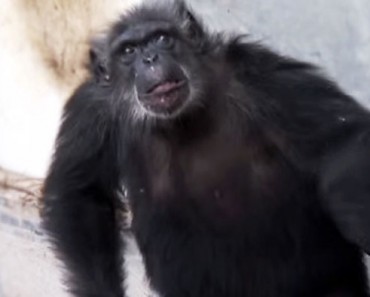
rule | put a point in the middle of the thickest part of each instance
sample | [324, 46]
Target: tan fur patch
[61, 29]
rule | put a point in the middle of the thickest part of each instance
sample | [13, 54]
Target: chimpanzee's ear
[190, 23]
[99, 62]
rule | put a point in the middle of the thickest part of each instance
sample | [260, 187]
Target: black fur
[236, 196]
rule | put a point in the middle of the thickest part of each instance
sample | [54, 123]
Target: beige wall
[43, 48]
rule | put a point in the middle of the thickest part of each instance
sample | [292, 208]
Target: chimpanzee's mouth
[165, 87]
[166, 96]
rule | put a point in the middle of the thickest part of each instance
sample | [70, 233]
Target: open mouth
[165, 96]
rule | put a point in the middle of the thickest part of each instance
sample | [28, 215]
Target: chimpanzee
[247, 172]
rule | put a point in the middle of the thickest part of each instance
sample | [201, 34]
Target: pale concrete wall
[331, 33]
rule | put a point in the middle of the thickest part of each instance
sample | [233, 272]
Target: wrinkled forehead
[138, 32]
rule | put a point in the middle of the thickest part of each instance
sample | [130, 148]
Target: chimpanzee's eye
[128, 50]
[164, 40]
[127, 53]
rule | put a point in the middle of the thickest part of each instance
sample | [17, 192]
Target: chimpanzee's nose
[150, 58]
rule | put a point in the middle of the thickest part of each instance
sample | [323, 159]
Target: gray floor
[28, 268]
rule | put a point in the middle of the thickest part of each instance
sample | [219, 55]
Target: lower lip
[166, 88]
[165, 101]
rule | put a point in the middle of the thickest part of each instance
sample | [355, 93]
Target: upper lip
[165, 87]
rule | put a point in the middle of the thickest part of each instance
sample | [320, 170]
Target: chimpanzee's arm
[345, 181]
[79, 212]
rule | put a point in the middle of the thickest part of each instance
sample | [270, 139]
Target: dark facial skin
[148, 53]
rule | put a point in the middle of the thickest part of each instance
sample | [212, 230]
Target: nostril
[150, 58]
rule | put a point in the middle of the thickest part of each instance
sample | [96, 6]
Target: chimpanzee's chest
[221, 180]
[216, 219]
